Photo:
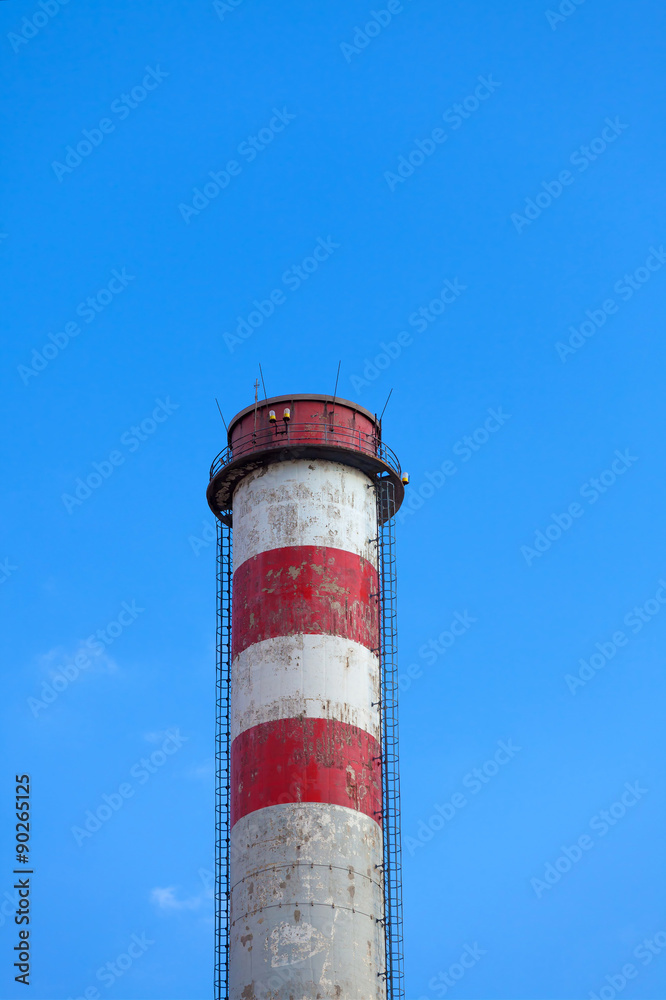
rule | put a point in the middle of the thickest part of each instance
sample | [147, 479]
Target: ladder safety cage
[388, 657]
[223, 760]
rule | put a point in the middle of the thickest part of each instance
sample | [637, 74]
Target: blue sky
[129, 272]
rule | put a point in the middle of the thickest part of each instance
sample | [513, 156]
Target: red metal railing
[288, 436]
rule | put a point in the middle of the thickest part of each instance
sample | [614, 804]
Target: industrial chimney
[308, 891]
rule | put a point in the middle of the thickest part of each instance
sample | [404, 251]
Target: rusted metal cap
[284, 428]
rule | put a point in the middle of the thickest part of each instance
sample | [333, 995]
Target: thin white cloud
[51, 663]
[165, 898]
[160, 735]
[155, 737]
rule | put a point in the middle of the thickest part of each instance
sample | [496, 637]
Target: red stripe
[305, 760]
[305, 589]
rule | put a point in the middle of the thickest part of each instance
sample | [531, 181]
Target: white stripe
[304, 503]
[311, 676]
[313, 832]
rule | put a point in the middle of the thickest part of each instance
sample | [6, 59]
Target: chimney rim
[313, 396]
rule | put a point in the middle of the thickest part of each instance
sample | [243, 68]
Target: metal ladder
[388, 658]
[222, 761]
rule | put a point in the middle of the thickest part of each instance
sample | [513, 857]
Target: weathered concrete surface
[306, 899]
[305, 760]
[304, 503]
[305, 589]
[313, 676]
